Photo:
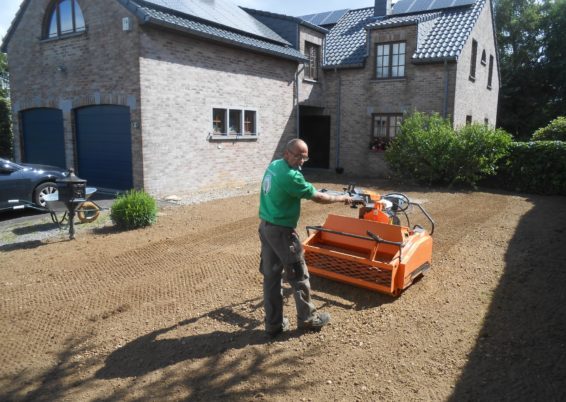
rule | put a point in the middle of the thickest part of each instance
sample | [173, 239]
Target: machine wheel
[88, 212]
[41, 191]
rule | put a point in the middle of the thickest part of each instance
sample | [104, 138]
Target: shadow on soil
[218, 376]
[520, 354]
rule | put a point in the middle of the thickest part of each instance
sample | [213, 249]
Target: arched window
[65, 18]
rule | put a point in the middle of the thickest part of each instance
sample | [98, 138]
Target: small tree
[6, 139]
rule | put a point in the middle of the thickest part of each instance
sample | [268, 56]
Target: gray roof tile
[346, 43]
[441, 34]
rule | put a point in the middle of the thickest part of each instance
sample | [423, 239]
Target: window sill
[232, 137]
[472, 78]
[393, 79]
[66, 36]
[310, 81]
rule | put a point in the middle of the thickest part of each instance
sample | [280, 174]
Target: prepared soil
[174, 311]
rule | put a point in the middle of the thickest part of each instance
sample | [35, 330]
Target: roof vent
[382, 8]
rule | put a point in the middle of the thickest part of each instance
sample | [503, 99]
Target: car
[27, 184]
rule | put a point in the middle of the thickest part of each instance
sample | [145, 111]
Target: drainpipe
[297, 91]
[445, 106]
[339, 169]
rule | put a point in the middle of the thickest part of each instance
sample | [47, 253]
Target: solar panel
[328, 17]
[416, 6]
[221, 12]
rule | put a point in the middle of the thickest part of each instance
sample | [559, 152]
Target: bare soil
[174, 311]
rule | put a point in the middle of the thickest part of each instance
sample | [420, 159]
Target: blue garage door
[43, 138]
[104, 146]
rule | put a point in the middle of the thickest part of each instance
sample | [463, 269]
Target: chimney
[382, 8]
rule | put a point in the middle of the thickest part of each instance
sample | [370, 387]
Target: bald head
[296, 153]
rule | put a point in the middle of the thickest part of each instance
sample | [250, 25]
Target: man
[283, 187]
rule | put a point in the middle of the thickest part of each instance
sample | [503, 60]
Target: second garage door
[104, 146]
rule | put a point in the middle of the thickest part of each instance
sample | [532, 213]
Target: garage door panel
[104, 148]
[43, 137]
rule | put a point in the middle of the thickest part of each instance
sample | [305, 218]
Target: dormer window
[65, 18]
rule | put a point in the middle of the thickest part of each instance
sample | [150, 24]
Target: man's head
[296, 153]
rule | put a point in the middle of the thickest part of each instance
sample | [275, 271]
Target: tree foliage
[532, 63]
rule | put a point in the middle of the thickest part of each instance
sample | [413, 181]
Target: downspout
[339, 169]
[297, 92]
[445, 105]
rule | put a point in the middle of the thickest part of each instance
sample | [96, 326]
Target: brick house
[179, 96]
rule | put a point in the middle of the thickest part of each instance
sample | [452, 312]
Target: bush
[135, 209]
[422, 150]
[429, 150]
[555, 131]
[534, 167]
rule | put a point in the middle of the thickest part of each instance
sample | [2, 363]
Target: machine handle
[371, 235]
[425, 214]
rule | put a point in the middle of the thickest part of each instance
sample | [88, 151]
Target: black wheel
[41, 191]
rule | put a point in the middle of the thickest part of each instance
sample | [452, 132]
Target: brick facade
[172, 81]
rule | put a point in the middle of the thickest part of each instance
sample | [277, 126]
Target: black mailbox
[72, 191]
[71, 188]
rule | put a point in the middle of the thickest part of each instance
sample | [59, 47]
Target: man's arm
[325, 198]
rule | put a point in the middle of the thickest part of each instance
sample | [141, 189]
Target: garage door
[43, 138]
[104, 146]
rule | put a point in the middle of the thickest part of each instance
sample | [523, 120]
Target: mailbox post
[72, 192]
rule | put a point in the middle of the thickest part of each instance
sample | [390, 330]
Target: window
[390, 61]
[483, 58]
[65, 18]
[474, 60]
[312, 52]
[234, 122]
[468, 120]
[490, 72]
[384, 128]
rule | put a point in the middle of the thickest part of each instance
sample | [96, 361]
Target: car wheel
[41, 191]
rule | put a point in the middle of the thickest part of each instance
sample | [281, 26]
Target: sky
[9, 8]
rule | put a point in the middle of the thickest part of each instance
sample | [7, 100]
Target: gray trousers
[282, 254]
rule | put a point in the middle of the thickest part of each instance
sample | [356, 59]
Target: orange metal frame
[341, 250]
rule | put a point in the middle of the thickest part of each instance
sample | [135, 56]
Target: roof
[284, 25]
[252, 35]
[218, 20]
[326, 18]
[442, 33]
[346, 43]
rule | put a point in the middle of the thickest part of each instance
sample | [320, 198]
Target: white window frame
[228, 131]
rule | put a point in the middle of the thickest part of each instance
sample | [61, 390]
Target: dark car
[27, 183]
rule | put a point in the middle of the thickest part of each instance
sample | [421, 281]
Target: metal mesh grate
[349, 268]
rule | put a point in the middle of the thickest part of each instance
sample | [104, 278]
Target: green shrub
[476, 152]
[534, 167]
[429, 150]
[422, 150]
[555, 131]
[134, 209]
[6, 138]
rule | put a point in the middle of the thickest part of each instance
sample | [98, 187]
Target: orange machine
[373, 251]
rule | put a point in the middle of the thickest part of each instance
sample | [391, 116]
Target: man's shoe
[284, 327]
[316, 322]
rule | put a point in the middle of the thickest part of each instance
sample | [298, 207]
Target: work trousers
[282, 254]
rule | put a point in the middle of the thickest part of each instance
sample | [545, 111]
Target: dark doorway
[43, 140]
[315, 131]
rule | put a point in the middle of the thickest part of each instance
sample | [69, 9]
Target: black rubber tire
[42, 190]
[88, 212]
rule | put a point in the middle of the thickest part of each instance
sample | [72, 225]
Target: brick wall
[100, 66]
[473, 98]
[182, 80]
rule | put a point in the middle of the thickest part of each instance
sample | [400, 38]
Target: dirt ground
[174, 311]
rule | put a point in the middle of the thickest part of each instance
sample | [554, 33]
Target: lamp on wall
[62, 69]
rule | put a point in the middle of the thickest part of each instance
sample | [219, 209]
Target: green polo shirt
[281, 191]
